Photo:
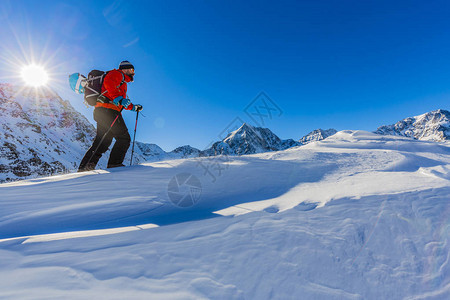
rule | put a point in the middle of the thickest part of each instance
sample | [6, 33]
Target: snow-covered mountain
[317, 135]
[185, 152]
[249, 140]
[148, 152]
[152, 152]
[431, 126]
[41, 133]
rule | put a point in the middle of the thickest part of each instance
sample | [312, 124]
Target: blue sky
[199, 64]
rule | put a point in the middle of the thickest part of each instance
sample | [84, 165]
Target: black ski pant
[119, 131]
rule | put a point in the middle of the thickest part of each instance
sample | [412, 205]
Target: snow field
[356, 216]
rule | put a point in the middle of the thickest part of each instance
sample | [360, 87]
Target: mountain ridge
[430, 126]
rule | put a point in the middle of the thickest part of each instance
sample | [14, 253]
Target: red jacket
[113, 88]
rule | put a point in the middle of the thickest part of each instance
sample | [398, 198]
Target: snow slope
[355, 216]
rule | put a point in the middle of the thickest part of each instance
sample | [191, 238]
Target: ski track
[356, 216]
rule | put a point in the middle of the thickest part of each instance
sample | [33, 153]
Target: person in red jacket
[107, 109]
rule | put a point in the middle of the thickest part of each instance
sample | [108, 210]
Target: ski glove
[125, 102]
[120, 100]
[117, 100]
[137, 108]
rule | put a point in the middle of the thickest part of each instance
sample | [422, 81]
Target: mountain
[249, 140]
[431, 126]
[185, 152]
[41, 133]
[317, 135]
[146, 152]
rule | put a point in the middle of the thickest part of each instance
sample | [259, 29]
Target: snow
[431, 126]
[41, 133]
[317, 135]
[355, 216]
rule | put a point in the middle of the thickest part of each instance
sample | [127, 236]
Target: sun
[34, 75]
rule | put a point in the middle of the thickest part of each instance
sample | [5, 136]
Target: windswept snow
[355, 216]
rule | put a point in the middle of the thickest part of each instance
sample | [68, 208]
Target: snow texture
[355, 216]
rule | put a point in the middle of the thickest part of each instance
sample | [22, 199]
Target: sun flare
[34, 75]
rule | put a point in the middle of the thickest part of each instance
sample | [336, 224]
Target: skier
[107, 114]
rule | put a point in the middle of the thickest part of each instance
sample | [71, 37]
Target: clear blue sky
[341, 64]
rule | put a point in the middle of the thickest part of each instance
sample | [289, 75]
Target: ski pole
[103, 138]
[134, 137]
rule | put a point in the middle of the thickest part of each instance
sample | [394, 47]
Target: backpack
[77, 82]
[93, 87]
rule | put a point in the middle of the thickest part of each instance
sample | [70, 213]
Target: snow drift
[355, 216]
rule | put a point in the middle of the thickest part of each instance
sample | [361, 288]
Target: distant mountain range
[43, 134]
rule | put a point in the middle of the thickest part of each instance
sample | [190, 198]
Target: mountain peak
[434, 113]
[244, 127]
[244, 130]
[248, 139]
[430, 126]
[185, 151]
[317, 135]
[440, 111]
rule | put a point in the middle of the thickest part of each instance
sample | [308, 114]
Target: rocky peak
[431, 126]
[317, 135]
